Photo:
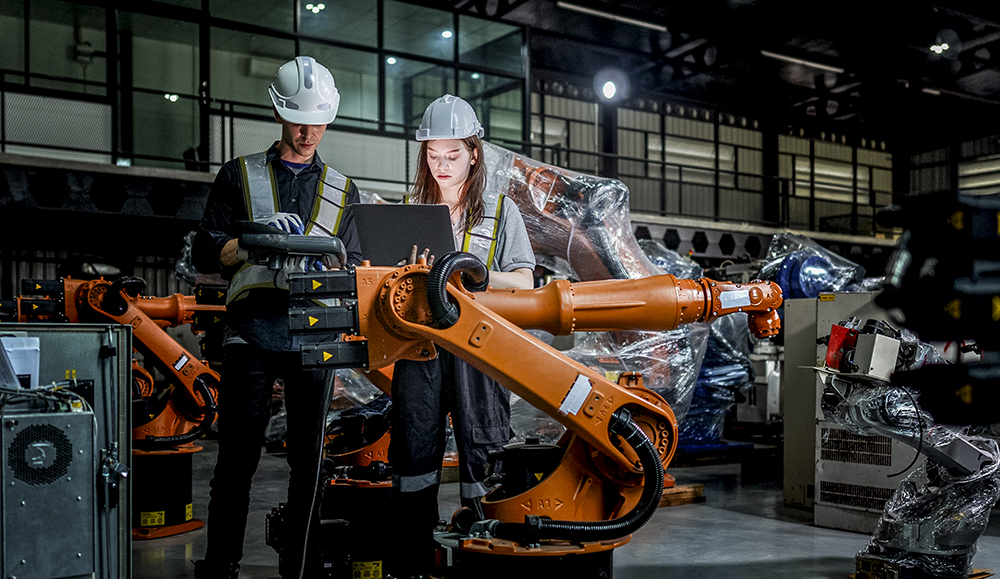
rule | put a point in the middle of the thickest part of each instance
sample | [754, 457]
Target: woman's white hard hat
[303, 92]
[449, 117]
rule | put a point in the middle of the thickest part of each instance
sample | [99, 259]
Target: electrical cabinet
[843, 476]
[64, 503]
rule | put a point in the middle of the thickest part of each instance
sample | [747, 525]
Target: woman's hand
[413, 257]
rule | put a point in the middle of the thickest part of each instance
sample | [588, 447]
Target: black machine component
[943, 282]
[520, 466]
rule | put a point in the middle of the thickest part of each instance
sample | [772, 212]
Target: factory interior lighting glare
[612, 84]
[939, 48]
[315, 8]
[391, 60]
[446, 34]
[794, 60]
[610, 16]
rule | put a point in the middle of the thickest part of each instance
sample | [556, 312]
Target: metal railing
[662, 188]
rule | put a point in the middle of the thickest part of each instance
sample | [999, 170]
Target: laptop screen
[388, 231]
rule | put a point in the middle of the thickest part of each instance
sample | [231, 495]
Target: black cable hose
[475, 277]
[535, 528]
[162, 442]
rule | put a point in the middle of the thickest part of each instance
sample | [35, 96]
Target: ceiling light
[315, 8]
[446, 34]
[170, 97]
[475, 76]
[794, 60]
[612, 84]
[391, 60]
[609, 16]
[932, 91]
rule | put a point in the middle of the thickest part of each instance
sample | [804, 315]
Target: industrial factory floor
[742, 531]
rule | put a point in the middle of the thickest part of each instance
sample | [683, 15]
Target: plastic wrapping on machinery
[725, 376]
[935, 518]
[804, 269]
[580, 219]
[580, 229]
[353, 394]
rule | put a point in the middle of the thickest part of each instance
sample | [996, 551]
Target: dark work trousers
[248, 378]
[423, 393]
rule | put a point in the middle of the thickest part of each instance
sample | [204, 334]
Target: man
[290, 188]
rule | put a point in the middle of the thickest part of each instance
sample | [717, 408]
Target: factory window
[356, 74]
[276, 14]
[341, 20]
[243, 63]
[489, 44]
[149, 109]
[497, 101]
[11, 38]
[834, 187]
[161, 112]
[67, 44]
[417, 30]
[567, 129]
[411, 85]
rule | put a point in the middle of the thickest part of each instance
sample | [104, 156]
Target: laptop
[388, 231]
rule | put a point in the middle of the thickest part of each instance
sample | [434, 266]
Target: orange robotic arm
[191, 408]
[402, 313]
[396, 321]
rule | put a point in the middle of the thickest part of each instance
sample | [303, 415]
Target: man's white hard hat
[449, 117]
[303, 92]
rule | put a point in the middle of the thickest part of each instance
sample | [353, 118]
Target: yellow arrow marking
[957, 220]
[996, 308]
[954, 309]
[34, 306]
[220, 294]
[965, 393]
[312, 320]
[538, 475]
[38, 286]
[327, 356]
[316, 284]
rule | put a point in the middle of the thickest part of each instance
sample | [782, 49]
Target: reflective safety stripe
[261, 193]
[412, 484]
[481, 240]
[259, 188]
[472, 490]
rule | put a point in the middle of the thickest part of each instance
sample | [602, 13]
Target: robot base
[500, 559]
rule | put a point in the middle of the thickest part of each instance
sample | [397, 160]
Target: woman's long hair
[426, 189]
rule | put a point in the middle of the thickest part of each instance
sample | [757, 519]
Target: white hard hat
[303, 92]
[449, 117]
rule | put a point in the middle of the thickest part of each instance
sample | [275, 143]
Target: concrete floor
[742, 530]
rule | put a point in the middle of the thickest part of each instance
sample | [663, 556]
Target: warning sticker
[189, 512]
[152, 518]
[576, 396]
[180, 362]
[367, 570]
[735, 299]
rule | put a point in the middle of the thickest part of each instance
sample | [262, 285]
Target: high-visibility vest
[481, 240]
[260, 192]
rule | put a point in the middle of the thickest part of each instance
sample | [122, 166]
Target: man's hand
[287, 222]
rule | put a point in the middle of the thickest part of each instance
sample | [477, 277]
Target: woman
[451, 171]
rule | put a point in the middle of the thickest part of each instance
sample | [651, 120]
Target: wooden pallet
[682, 495]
